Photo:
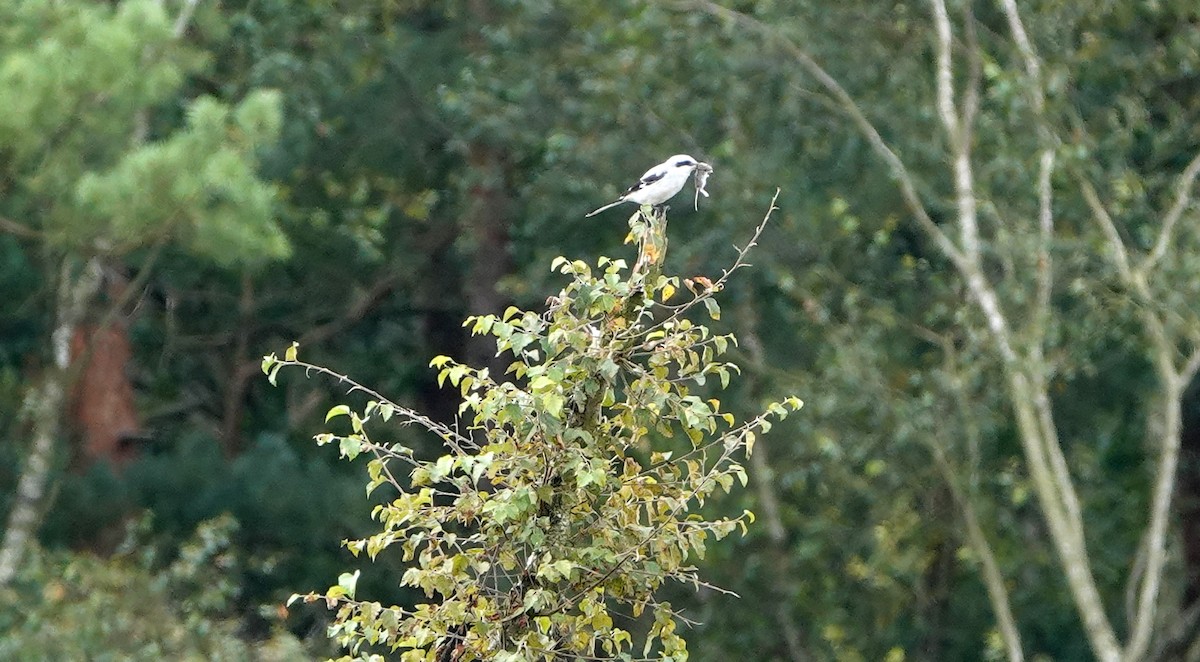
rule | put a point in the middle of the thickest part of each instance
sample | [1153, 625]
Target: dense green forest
[981, 275]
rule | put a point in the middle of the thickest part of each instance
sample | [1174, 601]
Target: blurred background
[186, 186]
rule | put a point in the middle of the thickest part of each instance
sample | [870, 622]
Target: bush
[571, 496]
[70, 606]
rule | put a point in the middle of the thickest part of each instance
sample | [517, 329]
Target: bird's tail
[609, 205]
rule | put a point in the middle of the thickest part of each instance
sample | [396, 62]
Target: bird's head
[682, 161]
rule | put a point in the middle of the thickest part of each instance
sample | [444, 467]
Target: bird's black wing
[651, 176]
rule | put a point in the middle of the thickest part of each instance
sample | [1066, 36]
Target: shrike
[663, 181]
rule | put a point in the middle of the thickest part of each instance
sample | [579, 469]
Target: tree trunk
[487, 223]
[487, 216]
[782, 577]
[102, 400]
[1189, 495]
[46, 407]
[240, 371]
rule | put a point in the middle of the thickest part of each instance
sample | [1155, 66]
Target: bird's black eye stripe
[683, 163]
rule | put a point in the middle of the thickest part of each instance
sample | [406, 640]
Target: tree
[1017, 229]
[572, 493]
[92, 181]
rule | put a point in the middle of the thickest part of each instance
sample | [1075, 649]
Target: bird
[660, 183]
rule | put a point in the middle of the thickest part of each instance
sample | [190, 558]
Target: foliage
[75, 130]
[284, 532]
[133, 607]
[867, 556]
[915, 386]
[572, 494]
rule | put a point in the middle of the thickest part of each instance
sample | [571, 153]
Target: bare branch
[908, 188]
[1045, 275]
[184, 18]
[1033, 67]
[406, 415]
[945, 73]
[1183, 197]
[974, 75]
[1052, 483]
[19, 229]
[1164, 484]
[1177, 636]
[964, 184]
[1189, 369]
[1041, 317]
[1160, 511]
[739, 262]
[1116, 245]
[1058, 461]
[993, 580]
[1136, 571]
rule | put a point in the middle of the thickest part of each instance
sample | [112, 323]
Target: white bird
[660, 183]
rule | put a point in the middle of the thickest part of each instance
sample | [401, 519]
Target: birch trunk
[46, 406]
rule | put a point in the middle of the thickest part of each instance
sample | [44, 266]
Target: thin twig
[1120, 255]
[1183, 197]
[20, 229]
[739, 262]
[409, 416]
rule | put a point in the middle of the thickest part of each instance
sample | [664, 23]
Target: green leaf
[348, 582]
[351, 446]
[339, 410]
[386, 410]
[443, 467]
[553, 403]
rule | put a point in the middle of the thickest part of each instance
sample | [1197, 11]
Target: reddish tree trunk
[102, 400]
